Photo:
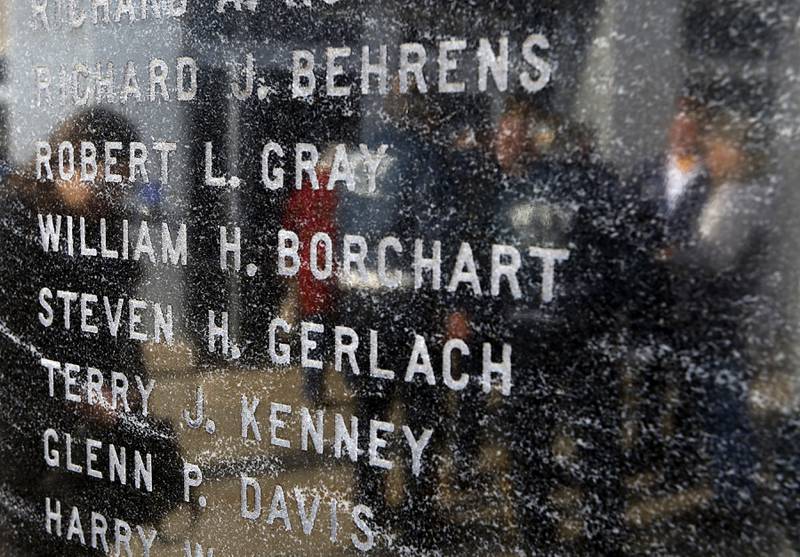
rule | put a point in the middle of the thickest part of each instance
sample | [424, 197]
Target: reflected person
[29, 409]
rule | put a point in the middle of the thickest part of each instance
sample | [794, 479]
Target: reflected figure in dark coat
[28, 410]
[404, 206]
[565, 444]
[705, 217]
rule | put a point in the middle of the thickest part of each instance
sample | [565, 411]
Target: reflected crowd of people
[632, 424]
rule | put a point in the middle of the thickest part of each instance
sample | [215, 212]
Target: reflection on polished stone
[335, 277]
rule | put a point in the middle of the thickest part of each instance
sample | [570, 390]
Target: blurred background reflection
[655, 405]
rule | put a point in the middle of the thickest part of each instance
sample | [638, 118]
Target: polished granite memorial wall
[333, 277]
